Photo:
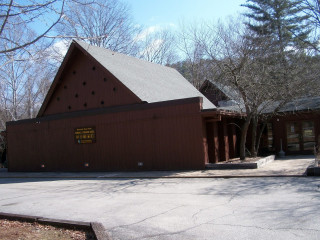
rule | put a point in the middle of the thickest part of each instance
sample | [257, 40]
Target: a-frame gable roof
[150, 82]
[228, 91]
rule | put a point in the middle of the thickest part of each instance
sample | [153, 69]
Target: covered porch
[222, 131]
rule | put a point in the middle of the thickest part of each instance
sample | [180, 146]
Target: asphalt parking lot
[178, 208]
[292, 166]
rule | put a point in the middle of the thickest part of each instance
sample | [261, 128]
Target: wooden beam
[213, 120]
[216, 142]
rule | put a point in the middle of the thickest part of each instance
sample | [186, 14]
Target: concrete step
[242, 165]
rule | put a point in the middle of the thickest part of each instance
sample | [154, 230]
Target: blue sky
[168, 12]
[153, 15]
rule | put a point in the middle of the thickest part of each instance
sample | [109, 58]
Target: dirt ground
[16, 230]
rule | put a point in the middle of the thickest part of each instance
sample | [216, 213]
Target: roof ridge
[79, 42]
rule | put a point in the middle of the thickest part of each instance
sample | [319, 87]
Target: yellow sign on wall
[85, 135]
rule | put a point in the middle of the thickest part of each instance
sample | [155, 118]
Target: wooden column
[225, 140]
[317, 130]
[216, 142]
[206, 141]
[232, 141]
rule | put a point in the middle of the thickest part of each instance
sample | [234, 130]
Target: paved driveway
[237, 208]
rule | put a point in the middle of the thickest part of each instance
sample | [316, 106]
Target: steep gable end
[213, 93]
[84, 84]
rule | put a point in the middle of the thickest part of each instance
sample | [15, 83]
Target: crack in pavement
[183, 230]
[145, 219]
[231, 225]
[203, 209]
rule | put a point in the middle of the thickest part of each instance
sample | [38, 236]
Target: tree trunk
[243, 139]
[259, 136]
[254, 151]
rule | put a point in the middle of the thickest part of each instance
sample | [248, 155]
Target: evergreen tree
[279, 36]
[281, 21]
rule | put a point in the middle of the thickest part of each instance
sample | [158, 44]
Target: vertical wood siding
[162, 138]
[85, 85]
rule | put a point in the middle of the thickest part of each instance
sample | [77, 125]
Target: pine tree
[281, 21]
[279, 36]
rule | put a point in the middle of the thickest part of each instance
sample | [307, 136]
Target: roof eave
[215, 111]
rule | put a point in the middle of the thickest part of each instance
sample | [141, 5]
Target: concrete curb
[219, 176]
[156, 177]
[266, 160]
[97, 228]
[313, 171]
[99, 231]
[251, 165]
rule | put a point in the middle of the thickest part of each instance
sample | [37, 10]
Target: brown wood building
[296, 127]
[299, 133]
[107, 111]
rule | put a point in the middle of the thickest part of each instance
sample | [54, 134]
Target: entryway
[300, 136]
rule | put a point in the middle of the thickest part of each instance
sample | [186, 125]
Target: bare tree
[106, 24]
[22, 73]
[196, 66]
[26, 13]
[23, 88]
[36, 85]
[229, 57]
[312, 8]
[252, 67]
[157, 46]
[234, 64]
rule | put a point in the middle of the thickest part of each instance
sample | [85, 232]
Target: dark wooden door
[300, 136]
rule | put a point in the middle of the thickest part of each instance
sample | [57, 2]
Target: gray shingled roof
[235, 103]
[229, 91]
[301, 104]
[149, 81]
[307, 103]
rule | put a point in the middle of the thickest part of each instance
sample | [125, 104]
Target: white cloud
[146, 32]
[58, 50]
[151, 49]
[152, 29]
[154, 46]
[61, 47]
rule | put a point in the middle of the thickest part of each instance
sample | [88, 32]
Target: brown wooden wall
[86, 85]
[279, 132]
[279, 128]
[164, 136]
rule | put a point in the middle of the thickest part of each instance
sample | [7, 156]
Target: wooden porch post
[233, 141]
[225, 140]
[216, 142]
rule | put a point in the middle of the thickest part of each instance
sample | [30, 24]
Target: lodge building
[106, 111]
